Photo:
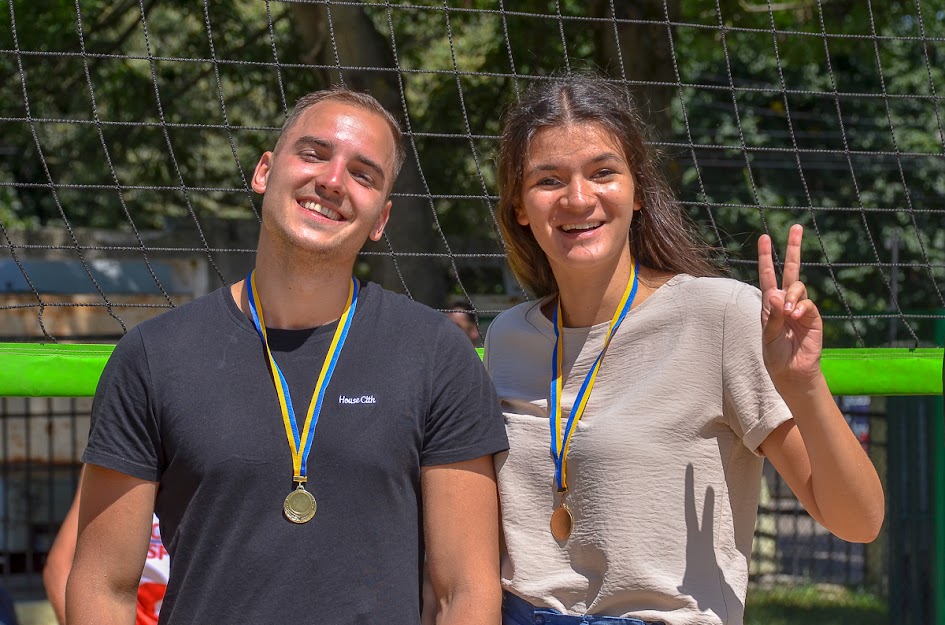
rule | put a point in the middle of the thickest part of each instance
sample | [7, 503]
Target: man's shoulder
[403, 323]
[399, 309]
[193, 316]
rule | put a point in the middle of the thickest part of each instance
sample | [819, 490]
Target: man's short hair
[358, 99]
[464, 308]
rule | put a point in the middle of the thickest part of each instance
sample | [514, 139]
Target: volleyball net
[130, 130]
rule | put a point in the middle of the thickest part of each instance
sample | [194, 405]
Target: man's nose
[331, 178]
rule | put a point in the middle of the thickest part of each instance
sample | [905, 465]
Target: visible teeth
[588, 226]
[321, 210]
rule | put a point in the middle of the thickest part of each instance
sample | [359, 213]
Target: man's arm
[59, 561]
[114, 530]
[461, 525]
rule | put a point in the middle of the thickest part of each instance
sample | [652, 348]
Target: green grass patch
[821, 604]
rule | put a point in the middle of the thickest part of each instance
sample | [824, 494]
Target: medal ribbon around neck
[301, 444]
[561, 437]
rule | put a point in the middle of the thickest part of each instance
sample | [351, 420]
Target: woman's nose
[579, 194]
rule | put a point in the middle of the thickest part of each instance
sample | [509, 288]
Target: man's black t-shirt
[187, 400]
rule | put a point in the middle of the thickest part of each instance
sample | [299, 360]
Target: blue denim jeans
[7, 609]
[517, 611]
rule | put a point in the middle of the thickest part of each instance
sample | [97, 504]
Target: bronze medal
[563, 428]
[299, 506]
[561, 522]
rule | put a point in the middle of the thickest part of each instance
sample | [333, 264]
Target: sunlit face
[578, 197]
[326, 185]
[467, 324]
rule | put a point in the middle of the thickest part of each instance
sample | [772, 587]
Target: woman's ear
[520, 215]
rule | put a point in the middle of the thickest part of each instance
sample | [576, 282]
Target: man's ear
[377, 230]
[261, 175]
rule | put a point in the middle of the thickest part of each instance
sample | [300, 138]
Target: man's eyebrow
[372, 165]
[309, 140]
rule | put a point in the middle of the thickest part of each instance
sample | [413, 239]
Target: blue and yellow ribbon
[561, 438]
[301, 444]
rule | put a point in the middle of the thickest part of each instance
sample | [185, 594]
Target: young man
[464, 316]
[278, 508]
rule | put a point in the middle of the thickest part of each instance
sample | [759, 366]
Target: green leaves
[824, 113]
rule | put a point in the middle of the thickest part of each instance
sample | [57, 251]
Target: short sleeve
[752, 405]
[123, 435]
[464, 421]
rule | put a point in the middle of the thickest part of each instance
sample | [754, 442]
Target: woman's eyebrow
[604, 156]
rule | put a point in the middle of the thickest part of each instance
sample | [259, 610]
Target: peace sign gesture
[791, 326]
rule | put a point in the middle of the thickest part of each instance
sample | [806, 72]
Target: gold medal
[299, 505]
[561, 522]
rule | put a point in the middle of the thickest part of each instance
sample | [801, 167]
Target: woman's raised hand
[792, 329]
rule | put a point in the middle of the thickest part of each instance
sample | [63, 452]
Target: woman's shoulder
[704, 299]
[516, 332]
[737, 303]
[714, 289]
[520, 317]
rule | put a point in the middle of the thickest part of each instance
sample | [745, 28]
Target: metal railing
[792, 548]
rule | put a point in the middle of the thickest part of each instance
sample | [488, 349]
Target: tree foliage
[151, 115]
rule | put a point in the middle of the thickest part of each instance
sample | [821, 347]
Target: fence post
[938, 447]
[915, 456]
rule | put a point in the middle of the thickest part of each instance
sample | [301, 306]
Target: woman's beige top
[664, 468]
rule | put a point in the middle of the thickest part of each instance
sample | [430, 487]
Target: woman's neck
[590, 298]
[587, 305]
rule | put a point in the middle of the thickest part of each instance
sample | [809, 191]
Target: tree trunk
[647, 56]
[410, 229]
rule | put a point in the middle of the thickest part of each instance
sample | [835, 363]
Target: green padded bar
[47, 370]
[51, 370]
[878, 371]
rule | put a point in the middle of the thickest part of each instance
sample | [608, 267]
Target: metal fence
[41, 441]
[791, 548]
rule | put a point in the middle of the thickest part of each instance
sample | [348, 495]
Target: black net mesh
[130, 129]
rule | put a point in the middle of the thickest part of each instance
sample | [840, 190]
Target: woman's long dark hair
[661, 235]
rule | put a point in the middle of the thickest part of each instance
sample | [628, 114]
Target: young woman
[657, 387]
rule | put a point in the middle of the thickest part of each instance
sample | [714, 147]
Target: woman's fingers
[805, 312]
[792, 258]
[767, 279]
[793, 294]
[773, 322]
